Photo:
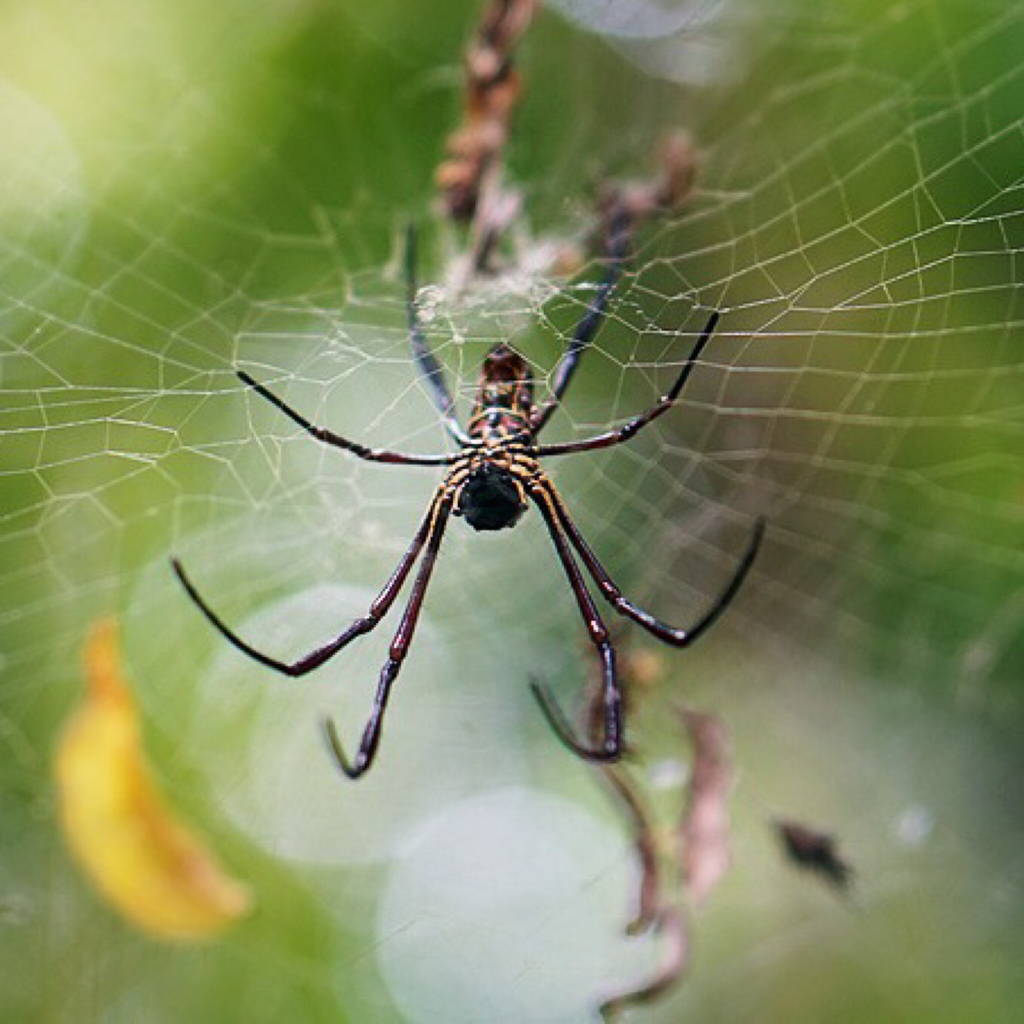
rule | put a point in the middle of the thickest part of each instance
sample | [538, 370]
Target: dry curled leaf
[146, 861]
[705, 847]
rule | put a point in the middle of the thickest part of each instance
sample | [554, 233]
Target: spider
[490, 481]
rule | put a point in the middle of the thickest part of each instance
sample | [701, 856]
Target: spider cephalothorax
[490, 480]
[504, 397]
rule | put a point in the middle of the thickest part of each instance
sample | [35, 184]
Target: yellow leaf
[146, 861]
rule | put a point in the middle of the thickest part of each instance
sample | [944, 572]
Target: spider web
[186, 192]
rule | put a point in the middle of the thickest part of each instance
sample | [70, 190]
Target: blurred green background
[186, 188]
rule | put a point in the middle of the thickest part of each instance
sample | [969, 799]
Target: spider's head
[491, 499]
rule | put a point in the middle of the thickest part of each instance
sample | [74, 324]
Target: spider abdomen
[491, 499]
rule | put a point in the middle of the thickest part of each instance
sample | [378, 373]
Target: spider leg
[673, 635]
[616, 248]
[611, 748]
[399, 648]
[336, 441]
[632, 427]
[427, 362]
[316, 658]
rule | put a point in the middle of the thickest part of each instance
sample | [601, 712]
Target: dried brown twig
[679, 869]
[645, 843]
[699, 856]
[470, 177]
[676, 165]
[672, 929]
